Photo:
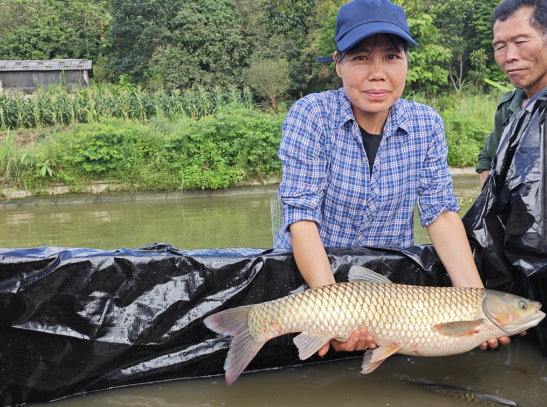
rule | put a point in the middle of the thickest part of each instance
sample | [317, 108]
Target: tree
[49, 29]
[425, 62]
[138, 28]
[465, 27]
[290, 23]
[478, 60]
[269, 78]
[211, 43]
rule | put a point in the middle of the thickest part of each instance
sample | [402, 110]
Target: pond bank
[109, 195]
[111, 191]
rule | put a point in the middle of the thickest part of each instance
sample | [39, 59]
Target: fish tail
[244, 347]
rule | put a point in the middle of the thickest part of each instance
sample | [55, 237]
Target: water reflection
[137, 401]
[196, 223]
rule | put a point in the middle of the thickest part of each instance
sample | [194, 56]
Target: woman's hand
[494, 343]
[358, 340]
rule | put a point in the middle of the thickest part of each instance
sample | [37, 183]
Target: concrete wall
[28, 81]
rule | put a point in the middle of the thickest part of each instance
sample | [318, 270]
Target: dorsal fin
[358, 274]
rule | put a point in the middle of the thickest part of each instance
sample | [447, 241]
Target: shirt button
[365, 203]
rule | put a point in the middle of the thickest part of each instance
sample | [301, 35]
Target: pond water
[192, 223]
[517, 372]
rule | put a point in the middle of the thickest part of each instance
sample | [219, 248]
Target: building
[27, 76]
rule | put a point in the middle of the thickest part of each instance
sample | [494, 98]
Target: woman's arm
[450, 242]
[313, 263]
[310, 255]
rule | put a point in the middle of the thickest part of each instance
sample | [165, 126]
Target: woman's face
[374, 75]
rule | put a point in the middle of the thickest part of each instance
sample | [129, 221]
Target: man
[519, 28]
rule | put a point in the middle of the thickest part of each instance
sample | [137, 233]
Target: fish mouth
[538, 315]
[532, 322]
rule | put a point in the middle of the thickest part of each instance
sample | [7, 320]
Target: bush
[468, 119]
[465, 138]
[214, 152]
[227, 148]
[111, 144]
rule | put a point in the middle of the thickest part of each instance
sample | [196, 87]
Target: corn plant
[9, 162]
[55, 106]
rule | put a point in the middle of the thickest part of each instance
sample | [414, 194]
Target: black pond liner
[506, 225]
[79, 320]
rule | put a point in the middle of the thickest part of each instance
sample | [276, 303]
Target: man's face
[521, 51]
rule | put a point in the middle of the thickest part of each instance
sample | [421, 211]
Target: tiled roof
[51, 65]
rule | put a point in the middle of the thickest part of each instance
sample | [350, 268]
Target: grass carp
[405, 319]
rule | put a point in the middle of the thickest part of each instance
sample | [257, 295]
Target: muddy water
[518, 372]
[194, 223]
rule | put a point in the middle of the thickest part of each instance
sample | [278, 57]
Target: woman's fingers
[494, 343]
[323, 351]
[358, 340]
[504, 340]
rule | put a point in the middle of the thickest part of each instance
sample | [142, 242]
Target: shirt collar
[398, 116]
[516, 103]
[346, 113]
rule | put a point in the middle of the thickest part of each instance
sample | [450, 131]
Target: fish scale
[323, 310]
[411, 320]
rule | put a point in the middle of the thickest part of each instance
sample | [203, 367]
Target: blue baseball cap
[359, 19]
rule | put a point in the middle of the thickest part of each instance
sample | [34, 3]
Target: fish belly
[392, 313]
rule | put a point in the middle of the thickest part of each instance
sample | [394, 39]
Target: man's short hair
[508, 8]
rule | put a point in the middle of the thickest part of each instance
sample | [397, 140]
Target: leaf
[499, 86]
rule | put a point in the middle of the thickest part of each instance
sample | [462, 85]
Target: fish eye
[522, 304]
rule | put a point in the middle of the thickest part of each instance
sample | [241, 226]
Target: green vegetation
[182, 44]
[234, 143]
[221, 149]
[171, 108]
[467, 120]
[54, 106]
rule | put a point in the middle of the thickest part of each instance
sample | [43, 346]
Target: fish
[467, 395]
[403, 319]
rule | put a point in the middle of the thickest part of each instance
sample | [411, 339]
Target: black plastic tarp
[79, 320]
[507, 223]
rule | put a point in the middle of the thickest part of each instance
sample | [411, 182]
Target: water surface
[517, 372]
[192, 223]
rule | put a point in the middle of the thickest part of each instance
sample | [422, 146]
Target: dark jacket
[508, 107]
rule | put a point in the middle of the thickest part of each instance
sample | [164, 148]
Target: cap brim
[324, 59]
[366, 30]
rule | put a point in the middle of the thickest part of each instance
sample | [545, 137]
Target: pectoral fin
[374, 357]
[459, 328]
[308, 344]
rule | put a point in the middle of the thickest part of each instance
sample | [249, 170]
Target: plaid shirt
[326, 173]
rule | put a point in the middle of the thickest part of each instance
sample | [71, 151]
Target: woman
[357, 160]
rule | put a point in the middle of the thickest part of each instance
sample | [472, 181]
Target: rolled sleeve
[435, 194]
[302, 153]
